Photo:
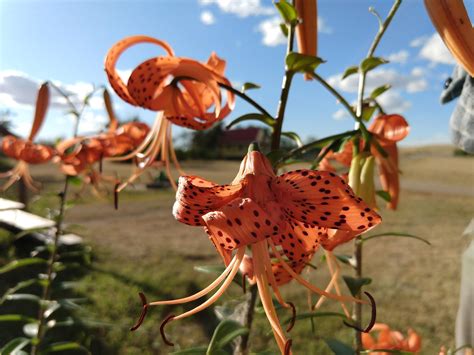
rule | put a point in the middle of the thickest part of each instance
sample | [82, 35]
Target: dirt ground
[416, 286]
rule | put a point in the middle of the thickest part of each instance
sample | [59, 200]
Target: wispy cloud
[399, 57]
[435, 51]
[271, 32]
[207, 18]
[241, 8]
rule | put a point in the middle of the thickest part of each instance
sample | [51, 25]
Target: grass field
[141, 247]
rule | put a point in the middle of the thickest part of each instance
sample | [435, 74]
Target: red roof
[240, 136]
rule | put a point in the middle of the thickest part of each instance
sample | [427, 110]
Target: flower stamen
[162, 329]
[144, 312]
[373, 316]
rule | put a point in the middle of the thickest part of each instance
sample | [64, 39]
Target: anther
[293, 316]
[143, 314]
[372, 318]
[288, 347]
[162, 329]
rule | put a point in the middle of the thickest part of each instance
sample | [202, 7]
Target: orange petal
[42, 103]
[307, 30]
[323, 199]
[238, 223]
[196, 197]
[113, 55]
[393, 128]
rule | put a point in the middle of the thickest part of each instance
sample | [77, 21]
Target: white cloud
[207, 18]
[419, 41]
[241, 8]
[393, 102]
[323, 26]
[91, 123]
[435, 51]
[399, 57]
[340, 114]
[418, 71]
[408, 82]
[18, 90]
[271, 31]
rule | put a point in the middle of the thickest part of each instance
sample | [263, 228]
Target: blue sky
[66, 42]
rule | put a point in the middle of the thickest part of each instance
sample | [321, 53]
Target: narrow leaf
[16, 264]
[287, 12]
[354, 284]
[384, 195]
[284, 29]
[63, 347]
[14, 346]
[225, 332]
[294, 136]
[379, 91]
[349, 71]
[297, 62]
[396, 234]
[371, 63]
[367, 112]
[16, 318]
[339, 348]
[253, 116]
[249, 86]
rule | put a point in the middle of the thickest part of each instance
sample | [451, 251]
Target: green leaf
[253, 116]
[23, 284]
[379, 91]
[225, 332]
[294, 136]
[287, 12]
[284, 29]
[16, 264]
[345, 259]
[297, 62]
[384, 195]
[62, 347]
[354, 284]
[371, 63]
[14, 346]
[396, 234]
[191, 351]
[311, 315]
[16, 318]
[367, 112]
[339, 348]
[21, 297]
[349, 71]
[249, 86]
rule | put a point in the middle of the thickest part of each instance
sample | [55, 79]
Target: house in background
[233, 144]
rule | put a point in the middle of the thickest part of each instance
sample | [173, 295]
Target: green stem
[246, 98]
[338, 96]
[285, 90]
[319, 142]
[375, 43]
[46, 296]
[357, 256]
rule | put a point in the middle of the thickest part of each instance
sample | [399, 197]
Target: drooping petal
[388, 172]
[307, 30]
[113, 55]
[196, 197]
[323, 199]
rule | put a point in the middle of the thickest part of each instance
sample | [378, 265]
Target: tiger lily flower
[307, 29]
[281, 219]
[183, 89]
[24, 150]
[387, 130]
[388, 339]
